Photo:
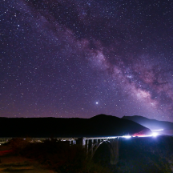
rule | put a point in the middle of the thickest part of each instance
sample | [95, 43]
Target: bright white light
[126, 136]
[97, 103]
[154, 134]
[111, 137]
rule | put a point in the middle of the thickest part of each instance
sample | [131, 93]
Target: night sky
[73, 58]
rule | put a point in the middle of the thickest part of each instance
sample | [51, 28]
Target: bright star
[97, 103]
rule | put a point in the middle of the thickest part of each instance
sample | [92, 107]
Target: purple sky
[73, 58]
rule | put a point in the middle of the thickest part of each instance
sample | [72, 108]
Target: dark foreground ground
[140, 155]
[136, 155]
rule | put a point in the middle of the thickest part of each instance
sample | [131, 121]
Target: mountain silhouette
[163, 127]
[97, 126]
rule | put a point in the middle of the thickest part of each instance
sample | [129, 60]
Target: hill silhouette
[97, 126]
[164, 127]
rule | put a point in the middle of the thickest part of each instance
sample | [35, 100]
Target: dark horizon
[89, 117]
[69, 127]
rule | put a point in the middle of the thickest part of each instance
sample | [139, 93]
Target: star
[72, 57]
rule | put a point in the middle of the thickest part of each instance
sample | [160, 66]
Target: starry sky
[73, 58]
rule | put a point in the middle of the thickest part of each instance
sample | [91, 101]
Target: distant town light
[126, 136]
[154, 134]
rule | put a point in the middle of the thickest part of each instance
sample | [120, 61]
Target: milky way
[72, 58]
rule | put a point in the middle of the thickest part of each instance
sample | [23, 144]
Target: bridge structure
[90, 144]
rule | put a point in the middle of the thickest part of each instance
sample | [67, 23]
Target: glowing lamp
[154, 134]
[126, 136]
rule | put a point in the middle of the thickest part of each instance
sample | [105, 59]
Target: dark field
[136, 155]
[144, 155]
